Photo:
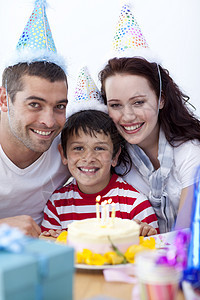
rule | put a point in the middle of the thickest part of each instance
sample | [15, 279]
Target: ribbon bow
[11, 239]
[176, 255]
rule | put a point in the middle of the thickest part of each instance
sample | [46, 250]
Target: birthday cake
[91, 234]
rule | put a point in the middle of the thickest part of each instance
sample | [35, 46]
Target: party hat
[36, 42]
[86, 95]
[128, 40]
[192, 271]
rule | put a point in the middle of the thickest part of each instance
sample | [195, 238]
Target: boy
[91, 147]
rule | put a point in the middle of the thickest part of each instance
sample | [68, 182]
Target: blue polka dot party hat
[37, 33]
[36, 42]
[86, 95]
[129, 40]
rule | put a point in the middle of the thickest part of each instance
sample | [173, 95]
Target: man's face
[37, 114]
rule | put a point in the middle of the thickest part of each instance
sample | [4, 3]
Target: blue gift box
[42, 271]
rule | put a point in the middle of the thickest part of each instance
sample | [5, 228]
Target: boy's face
[89, 160]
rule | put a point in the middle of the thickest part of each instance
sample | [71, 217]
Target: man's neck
[22, 159]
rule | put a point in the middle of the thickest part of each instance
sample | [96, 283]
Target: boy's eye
[78, 148]
[99, 149]
[34, 104]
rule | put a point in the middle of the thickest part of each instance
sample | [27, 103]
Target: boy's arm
[51, 233]
[146, 229]
[144, 213]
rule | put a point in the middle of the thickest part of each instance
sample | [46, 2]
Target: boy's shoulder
[123, 183]
[69, 185]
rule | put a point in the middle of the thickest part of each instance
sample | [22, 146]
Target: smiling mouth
[133, 127]
[43, 133]
[86, 170]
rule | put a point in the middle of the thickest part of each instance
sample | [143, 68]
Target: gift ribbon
[124, 274]
[13, 240]
[121, 274]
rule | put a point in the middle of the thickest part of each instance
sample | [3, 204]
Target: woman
[150, 112]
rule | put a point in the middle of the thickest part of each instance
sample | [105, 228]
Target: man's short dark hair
[12, 76]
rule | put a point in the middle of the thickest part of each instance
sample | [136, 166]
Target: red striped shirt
[68, 204]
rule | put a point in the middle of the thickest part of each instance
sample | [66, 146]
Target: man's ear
[64, 159]
[3, 100]
[115, 159]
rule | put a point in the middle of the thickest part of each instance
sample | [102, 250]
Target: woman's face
[133, 106]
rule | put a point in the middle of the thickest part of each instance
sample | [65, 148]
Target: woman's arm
[185, 208]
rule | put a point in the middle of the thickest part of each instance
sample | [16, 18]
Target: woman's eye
[140, 102]
[115, 105]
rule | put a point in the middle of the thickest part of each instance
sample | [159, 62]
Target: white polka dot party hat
[86, 95]
[36, 42]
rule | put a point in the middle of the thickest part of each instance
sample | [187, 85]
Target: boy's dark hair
[12, 76]
[92, 122]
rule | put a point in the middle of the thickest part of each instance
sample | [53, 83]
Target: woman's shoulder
[187, 148]
[187, 158]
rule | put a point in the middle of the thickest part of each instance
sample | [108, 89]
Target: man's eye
[34, 104]
[61, 106]
[99, 149]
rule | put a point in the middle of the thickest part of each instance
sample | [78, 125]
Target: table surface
[91, 283]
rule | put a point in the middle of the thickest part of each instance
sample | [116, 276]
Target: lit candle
[108, 208]
[103, 212]
[98, 198]
[113, 211]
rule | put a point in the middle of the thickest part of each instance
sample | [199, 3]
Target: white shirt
[186, 159]
[26, 191]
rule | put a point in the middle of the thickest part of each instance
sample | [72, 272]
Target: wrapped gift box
[42, 271]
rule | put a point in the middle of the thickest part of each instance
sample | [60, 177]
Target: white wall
[83, 32]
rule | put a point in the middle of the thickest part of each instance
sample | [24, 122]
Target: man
[33, 100]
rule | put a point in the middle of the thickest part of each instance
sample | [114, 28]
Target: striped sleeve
[143, 211]
[133, 204]
[51, 219]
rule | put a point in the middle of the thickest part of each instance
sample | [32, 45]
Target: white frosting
[90, 234]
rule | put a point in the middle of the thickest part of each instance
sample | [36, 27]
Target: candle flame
[98, 198]
[104, 202]
[109, 201]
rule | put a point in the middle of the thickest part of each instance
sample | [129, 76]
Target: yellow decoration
[89, 258]
[112, 258]
[134, 249]
[62, 238]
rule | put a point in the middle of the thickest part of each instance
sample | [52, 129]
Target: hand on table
[52, 233]
[25, 223]
[145, 229]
